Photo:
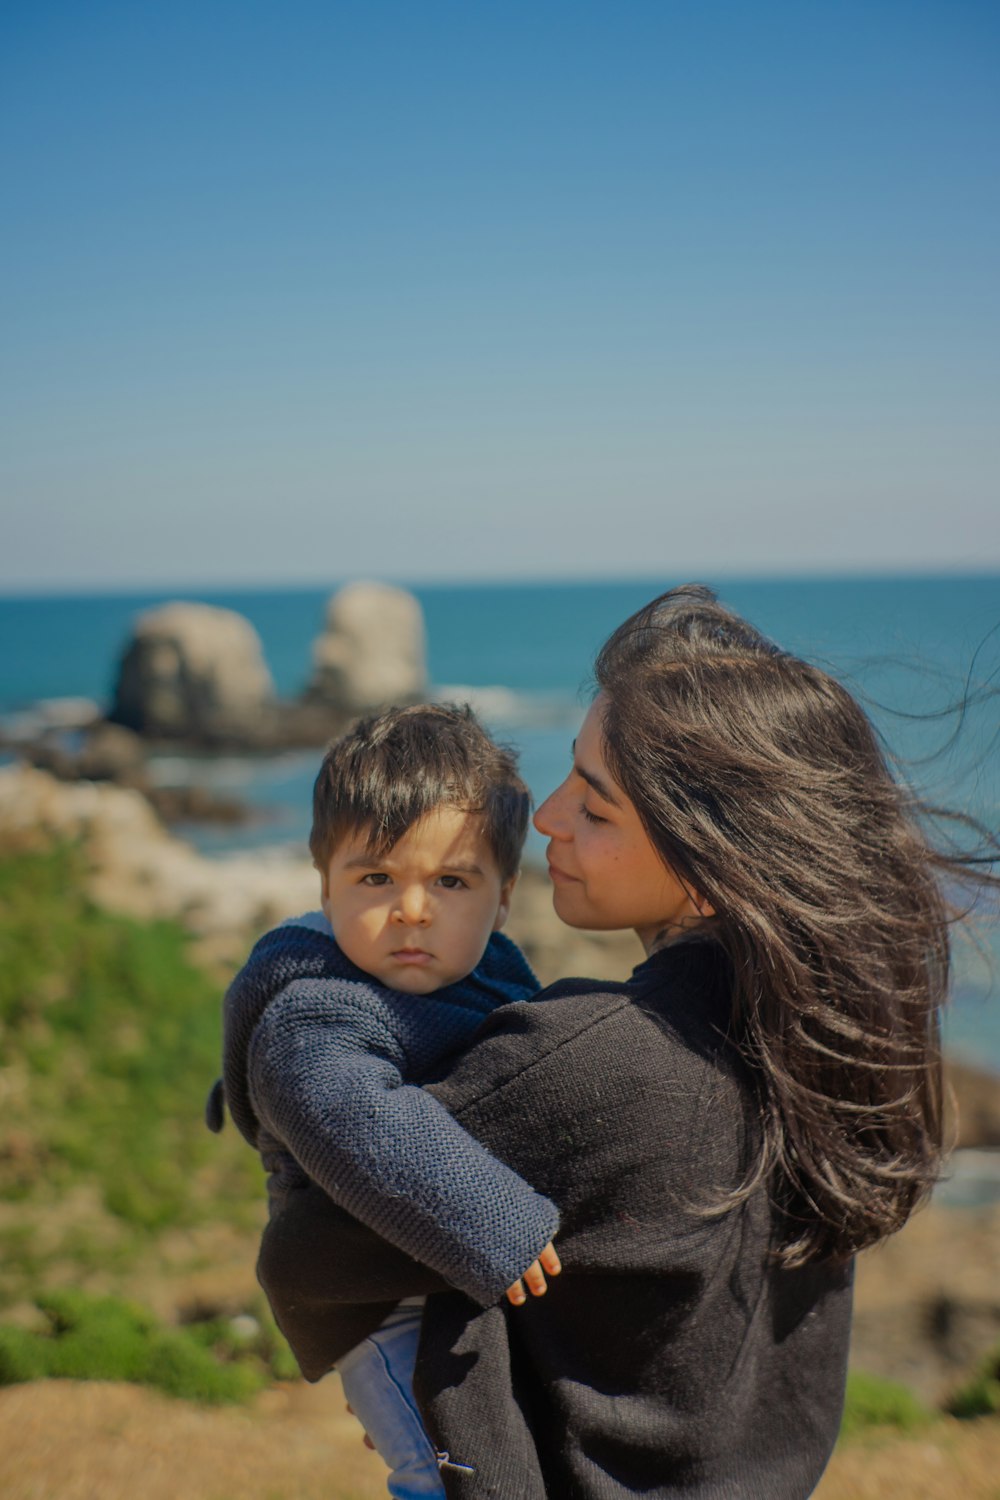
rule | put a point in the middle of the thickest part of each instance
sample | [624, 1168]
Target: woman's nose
[550, 818]
[413, 907]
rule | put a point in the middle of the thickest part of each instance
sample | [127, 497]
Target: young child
[418, 825]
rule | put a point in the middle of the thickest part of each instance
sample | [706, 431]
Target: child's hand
[534, 1277]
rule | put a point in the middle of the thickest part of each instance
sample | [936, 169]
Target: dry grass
[67, 1440]
[950, 1459]
[70, 1440]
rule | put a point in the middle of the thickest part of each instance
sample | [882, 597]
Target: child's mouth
[412, 956]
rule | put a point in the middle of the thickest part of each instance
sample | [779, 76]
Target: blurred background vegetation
[109, 1039]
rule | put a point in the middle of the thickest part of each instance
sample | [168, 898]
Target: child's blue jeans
[377, 1376]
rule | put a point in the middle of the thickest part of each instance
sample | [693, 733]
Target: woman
[722, 1132]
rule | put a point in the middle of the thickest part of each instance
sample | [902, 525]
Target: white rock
[373, 651]
[244, 1327]
[193, 671]
[136, 867]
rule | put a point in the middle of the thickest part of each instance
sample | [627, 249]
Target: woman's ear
[699, 901]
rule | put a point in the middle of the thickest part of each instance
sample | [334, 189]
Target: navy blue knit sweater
[317, 1060]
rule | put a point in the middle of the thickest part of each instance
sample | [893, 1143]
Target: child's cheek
[377, 918]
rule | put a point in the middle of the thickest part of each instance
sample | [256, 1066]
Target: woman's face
[605, 871]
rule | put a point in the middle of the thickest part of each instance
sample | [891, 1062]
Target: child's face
[420, 917]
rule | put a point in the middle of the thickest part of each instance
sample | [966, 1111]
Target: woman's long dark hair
[762, 783]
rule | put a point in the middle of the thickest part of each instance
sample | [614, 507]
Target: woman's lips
[559, 877]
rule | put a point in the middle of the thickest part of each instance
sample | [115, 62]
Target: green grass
[980, 1396]
[105, 1338]
[873, 1402]
[109, 1040]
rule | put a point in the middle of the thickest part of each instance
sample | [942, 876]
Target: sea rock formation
[110, 752]
[193, 672]
[101, 752]
[372, 652]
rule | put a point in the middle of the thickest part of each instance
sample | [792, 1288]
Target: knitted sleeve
[326, 1084]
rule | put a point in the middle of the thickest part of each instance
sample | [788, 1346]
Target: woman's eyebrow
[599, 786]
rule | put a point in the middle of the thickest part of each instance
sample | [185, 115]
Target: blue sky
[292, 293]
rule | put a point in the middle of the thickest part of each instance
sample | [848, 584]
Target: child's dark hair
[762, 784]
[389, 770]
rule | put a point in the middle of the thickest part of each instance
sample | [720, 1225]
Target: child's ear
[503, 907]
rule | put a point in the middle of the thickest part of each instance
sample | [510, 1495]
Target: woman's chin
[572, 908]
[566, 907]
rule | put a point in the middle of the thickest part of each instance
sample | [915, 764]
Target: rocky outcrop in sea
[193, 672]
[372, 652]
[192, 677]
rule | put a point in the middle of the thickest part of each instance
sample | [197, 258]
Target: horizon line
[41, 590]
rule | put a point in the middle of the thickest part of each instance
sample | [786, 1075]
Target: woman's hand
[534, 1277]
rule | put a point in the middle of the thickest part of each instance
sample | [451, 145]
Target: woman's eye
[375, 878]
[452, 882]
[590, 816]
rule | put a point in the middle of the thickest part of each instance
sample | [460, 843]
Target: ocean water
[911, 648]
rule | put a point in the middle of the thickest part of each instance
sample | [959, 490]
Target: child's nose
[413, 906]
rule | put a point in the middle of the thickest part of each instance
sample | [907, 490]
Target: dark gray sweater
[672, 1357]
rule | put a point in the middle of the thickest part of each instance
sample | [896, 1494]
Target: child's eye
[377, 877]
[591, 817]
[452, 882]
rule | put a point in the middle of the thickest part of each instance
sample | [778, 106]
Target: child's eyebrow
[368, 862]
[599, 786]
